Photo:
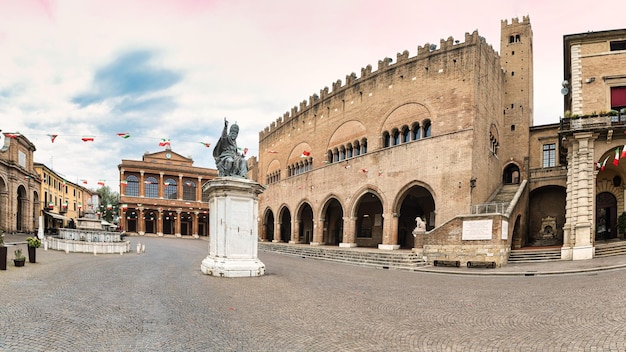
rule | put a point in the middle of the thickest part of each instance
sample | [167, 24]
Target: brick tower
[516, 55]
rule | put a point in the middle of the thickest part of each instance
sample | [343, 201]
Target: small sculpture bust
[228, 160]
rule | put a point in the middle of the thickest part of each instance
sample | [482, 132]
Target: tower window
[618, 45]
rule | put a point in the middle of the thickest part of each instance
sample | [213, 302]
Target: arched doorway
[131, 220]
[305, 232]
[150, 217]
[268, 224]
[169, 222]
[417, 201]
[369, 220]
[285, 225]
[333, 222]
[606, 216]
[20, 217]
[4, 210]
[511, 175]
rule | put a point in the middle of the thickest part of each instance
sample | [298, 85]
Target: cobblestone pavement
[160, 301]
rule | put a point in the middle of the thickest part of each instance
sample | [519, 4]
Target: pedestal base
[225, 267]
[389, 246]
[583, 252]
[347, 245]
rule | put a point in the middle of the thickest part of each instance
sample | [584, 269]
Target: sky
[174, 69]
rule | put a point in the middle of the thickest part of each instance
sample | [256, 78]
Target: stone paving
[160, 301]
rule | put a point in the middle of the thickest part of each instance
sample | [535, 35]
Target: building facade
[162, 195]
[19, 184]
[63, 201]
[446, 136]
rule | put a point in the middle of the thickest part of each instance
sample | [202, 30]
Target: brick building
[162, 195]
[446, 135]
[19, 184]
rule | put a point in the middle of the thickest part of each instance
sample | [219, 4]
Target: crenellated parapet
[515, 21]
[427, 54]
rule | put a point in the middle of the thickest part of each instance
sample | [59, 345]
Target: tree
[109, 203]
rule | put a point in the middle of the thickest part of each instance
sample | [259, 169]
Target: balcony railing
[489, 208]
[572, 124]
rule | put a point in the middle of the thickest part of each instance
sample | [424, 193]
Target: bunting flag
[616, 159]
[123, 182]
[380, 172]
[84, 181]
[147, 182]
[124, 135]
[305, 154]
[164, 142]
[604, 164]
[245, 151]
[208, 145]
[598, 165]
[109, 206]
[12, 135]
[53, 137]
[364, 170]
[272, 152]
[101, 182]
[624, 151]
[124, 206]
[27, 177]
[166, 183]
[87, 139]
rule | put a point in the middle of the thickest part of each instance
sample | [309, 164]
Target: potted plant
[3, 252]
[19, 259]
[33, 244]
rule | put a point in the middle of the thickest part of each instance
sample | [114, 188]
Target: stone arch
[267, 231]
[4, 203]
[296, 153]
[346, 132]
[369, 220]
[284, 224]
[546, 208]
[332, 220]
[21, 211]
[404, 114]
[412, 202]
[273, 166]
[360, 192]
[511, 174]
[304, 219]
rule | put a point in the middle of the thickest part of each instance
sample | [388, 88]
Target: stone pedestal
[233, 230]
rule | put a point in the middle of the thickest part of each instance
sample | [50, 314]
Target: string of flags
[163, 142]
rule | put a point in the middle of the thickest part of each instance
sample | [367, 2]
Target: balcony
[593, 123]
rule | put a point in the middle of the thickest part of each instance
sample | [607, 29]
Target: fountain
[89, 236]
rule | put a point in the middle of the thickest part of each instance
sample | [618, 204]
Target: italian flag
[52, 137]
[123, 182]
[164, 142]
[624, 152]
[604, 164]
[616, 159]
[101, 182]
[124, 135]
[305, 154]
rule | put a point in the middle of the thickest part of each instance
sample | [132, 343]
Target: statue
[420, 226]
[227, 158]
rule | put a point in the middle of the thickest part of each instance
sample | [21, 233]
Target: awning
[57, 216]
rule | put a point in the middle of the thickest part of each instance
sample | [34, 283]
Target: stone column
[390, 232]
[177, 223]
[295, 232]
[159, 226]
[578, 229]
[142, 185]
[161, 188]
[276, 230]
[349, 232]
[318, 232]
[194, 224]
[141, 222]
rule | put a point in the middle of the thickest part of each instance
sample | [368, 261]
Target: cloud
[130, 77]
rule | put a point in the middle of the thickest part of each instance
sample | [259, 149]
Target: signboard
[477, 230]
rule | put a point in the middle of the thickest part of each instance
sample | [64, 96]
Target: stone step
[404, 260]
[534, 255]
[610, 249]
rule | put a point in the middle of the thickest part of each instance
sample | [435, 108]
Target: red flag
[101, 182]
[52, 137]
[87, 139]
[305, 154]
[84, 182]
[208, 145]
[12, 135]
[364, 170]
[245, 151]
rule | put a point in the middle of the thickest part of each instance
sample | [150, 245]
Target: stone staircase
[610, 248]
[535, 255]
[499, 203]
[397, 259]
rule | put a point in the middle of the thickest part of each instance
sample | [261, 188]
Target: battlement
[427, 51]
[515, 21]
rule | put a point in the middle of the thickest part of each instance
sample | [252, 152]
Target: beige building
[19, 184]
[446, 135]
[63, 201]
[162, 195]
